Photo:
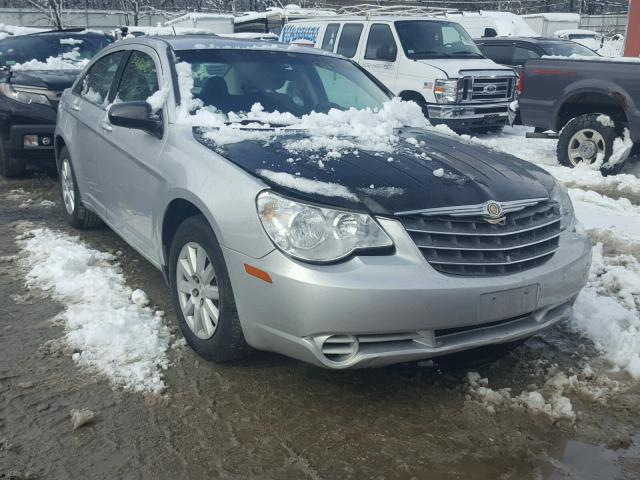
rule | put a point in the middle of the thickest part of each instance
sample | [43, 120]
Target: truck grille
[471, 246]
[488, 89]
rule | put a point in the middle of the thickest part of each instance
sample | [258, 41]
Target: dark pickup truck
[34, 70]
[592, 104]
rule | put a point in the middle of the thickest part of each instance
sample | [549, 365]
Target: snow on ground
[108, 325]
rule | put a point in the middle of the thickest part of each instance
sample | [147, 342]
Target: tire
[584, 140]
[76, 214]
[195, 284]
[10, 167]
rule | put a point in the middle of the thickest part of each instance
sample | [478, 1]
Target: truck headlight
[23, 96]
[560, 195]
[317, 234]
[448, 91]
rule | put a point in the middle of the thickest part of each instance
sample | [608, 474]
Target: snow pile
[612, 47]
[157, 99]
[108, 324]
[334, 132]
[556, 406]
[614, 218]
[621, 149]
[71, 41]
[308, 186]
[607, 309]
[67, 61]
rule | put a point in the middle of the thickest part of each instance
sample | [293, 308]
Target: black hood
[56, 80]
[430, 170]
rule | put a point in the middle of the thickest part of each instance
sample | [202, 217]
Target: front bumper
[480, 115]
[397, 308]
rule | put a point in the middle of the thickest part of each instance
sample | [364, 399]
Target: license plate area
[510, 303]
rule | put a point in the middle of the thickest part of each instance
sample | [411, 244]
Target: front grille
[488, 89]
[471, 246]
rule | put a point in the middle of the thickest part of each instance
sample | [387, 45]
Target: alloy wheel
[198, 292]
[68, 189]
[586, 145]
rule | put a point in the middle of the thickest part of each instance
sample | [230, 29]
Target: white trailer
[546, 24]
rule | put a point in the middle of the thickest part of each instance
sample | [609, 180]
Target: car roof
[370, 18]
[65, 33]
[536, 40]
[213, 42]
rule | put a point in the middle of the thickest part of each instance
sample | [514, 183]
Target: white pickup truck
[431, 61]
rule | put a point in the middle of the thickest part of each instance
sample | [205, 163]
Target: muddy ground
[271, 417]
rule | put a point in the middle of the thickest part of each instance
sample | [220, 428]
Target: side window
[96, 83]
[348, 44]
[330, 35]
[522, 54]
[381, 45]
[499, 53]
[139, 78]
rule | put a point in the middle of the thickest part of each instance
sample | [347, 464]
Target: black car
[34, 70]
[515, 51]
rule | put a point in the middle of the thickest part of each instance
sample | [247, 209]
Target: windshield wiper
[430, 53]
[466, 52]
[247, 121]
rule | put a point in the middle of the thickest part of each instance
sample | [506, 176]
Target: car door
[380, 54]
[88, 104]
[130, 170]
[499, 52]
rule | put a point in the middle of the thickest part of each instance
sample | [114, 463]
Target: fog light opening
[30, 141]
[340, 348]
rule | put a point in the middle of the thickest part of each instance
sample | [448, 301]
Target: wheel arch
[58, 143]
[584, 102]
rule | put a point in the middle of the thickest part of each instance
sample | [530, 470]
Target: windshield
[235, 80]
[566, 49]
[72, 46]
[428, 39]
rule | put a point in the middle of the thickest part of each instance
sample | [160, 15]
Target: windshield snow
[50, 51]
[428, 39]
[235, 80]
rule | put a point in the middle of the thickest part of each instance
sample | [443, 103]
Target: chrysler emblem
[491, 88]
[493, 209]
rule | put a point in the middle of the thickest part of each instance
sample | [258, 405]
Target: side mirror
[386, 53]
[136, 115]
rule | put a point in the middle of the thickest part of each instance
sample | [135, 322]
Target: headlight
[561, 197]
[23, 96]
[317, 234]
[447, 91]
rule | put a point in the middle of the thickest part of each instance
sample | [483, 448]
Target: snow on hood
[67, 61]
[454, 67]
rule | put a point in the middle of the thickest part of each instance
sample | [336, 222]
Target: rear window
[70, 46]
[348, 44]
[566, 49]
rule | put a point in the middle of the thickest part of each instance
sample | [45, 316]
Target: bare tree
[52, 9]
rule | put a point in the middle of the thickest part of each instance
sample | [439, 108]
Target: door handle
[75, 107]
[105, 126]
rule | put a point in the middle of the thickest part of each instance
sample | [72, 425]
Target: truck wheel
[202, 294]
[77, 215]
[585, 140]
[10, 167]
